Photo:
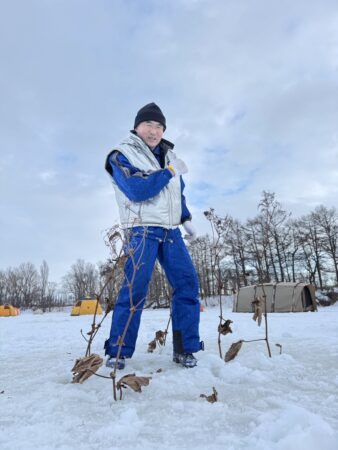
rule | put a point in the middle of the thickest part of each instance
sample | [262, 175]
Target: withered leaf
[151, 346]
[133, 382]
[211, 398]
[85, 367]
[224, 328]
[258, 310]
[160, 336]
[233, 351]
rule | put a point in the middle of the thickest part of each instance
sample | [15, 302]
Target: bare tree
[257, 248]
[272, 247]
[239, 252]
[326, 221]
[273, 219]
[312, 249]
[28, 282]
[43, 285]
[2, 287]
[82, 279]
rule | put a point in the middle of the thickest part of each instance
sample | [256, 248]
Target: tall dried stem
[95, 328]
[266, 322]
[133, 308]
[219, 228]
[265, 308]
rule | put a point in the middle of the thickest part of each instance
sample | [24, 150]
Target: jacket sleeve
[186, 215]
[136, 184]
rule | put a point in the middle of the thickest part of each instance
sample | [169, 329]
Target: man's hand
[178, 167]
[190, 230]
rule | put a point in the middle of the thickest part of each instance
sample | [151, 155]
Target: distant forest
[271, 247]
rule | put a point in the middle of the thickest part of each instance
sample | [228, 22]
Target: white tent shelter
[280, 297]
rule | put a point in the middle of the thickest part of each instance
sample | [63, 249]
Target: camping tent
[9, 310]
[280, 297]
[86, 305]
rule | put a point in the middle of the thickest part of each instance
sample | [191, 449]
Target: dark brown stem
[132, 306]
[266, 322]
[95, 328]
[112, 375]
[98, 375]
[266, 332]
[220, 315]
[90, 340]
[84, 337]
[166, 330]
[121, 340]
[219, 345]
[133, 309]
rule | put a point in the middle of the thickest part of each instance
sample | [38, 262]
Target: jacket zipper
[170, 208]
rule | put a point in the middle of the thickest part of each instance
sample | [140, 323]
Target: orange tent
[8, 311]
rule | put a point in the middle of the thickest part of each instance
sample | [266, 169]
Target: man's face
[150, 132]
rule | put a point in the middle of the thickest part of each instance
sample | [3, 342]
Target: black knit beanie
[150, 112]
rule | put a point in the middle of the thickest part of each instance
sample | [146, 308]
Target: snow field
[288, 401]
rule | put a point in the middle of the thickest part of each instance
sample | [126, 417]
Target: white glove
[191, 231]
[178, 166]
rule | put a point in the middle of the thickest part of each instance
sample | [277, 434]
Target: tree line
[26, 287]
[271, 247]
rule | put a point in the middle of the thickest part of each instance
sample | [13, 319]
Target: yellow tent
[8, 310]
[86, 305]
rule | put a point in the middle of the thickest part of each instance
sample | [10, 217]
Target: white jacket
[163, 210]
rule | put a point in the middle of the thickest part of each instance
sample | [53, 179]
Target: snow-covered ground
[286, 402]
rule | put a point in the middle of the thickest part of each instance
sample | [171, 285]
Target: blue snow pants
[148, 244]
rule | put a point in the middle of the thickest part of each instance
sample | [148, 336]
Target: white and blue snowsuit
[152, 206]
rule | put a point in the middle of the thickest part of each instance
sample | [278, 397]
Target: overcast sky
[249, 90]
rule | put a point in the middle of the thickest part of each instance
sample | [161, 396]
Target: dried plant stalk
[113, 238]
[87, 366]
[220, 228]
[136, 263]
[266, 322]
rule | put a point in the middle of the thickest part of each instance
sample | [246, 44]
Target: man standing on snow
[146, 176]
